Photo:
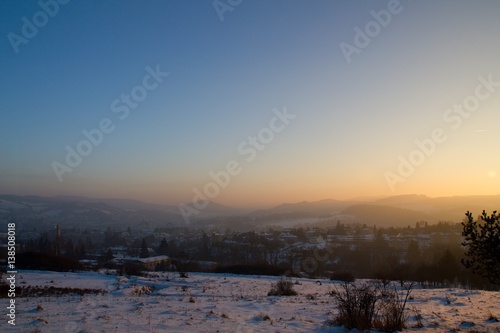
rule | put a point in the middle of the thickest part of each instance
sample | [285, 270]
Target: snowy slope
[221, 303]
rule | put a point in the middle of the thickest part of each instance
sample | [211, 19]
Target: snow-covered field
[221, 303]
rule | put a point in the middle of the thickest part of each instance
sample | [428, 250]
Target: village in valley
[82, 264]
[277, 245]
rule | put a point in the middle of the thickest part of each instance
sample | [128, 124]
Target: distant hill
[82, 210]
[445, 208]
[385, 215]
[95, 211]
[215, 209]
[310, 209]
[402, 210]
[405, 200]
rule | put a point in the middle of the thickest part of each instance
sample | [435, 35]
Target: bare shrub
[142, 290]
[391, 309]
[366, 306]
[418, 318]
[356, 306]
[282, 288]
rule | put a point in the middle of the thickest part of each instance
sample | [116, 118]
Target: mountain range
[402, 210]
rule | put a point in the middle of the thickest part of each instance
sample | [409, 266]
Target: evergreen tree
[447, 267]
[205, 247]
[413, 254]
[81, 251]
[482, 242]
[144, 252]
[163, 247]
[108, 256]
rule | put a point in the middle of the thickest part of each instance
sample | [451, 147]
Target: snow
[206, 302]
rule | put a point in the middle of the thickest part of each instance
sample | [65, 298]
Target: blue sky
[225, 77]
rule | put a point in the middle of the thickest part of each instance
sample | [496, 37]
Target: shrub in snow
[391, 310]
[282, 288]
[366, 306]
[356, 306]
[142, 290]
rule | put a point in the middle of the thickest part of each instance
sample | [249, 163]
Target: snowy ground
[221, 303]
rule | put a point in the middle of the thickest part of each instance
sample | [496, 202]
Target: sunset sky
[351, 104]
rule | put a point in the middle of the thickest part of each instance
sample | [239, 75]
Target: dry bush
[418, 317]
[282, 288]
[391, 310]
[356, 306]
[142, 290]
[366, 306]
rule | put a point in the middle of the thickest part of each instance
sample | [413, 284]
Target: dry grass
[142, 290]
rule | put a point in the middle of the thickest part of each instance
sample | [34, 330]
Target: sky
[249, 103]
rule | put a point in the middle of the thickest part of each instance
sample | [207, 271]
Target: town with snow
[287, 274]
